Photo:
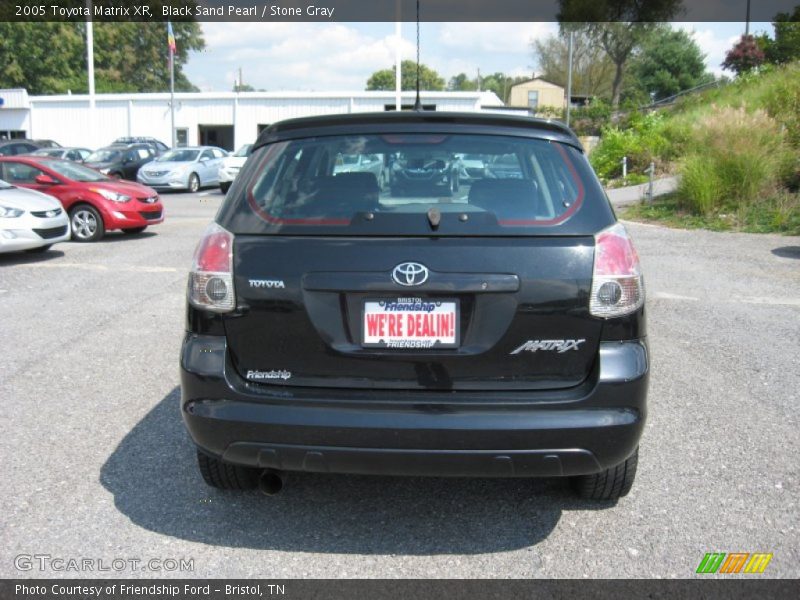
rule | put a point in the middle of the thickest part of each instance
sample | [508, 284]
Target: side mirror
[45, 180]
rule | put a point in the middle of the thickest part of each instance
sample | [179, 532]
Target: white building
[225, 119]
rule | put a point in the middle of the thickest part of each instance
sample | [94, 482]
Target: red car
[95, 202]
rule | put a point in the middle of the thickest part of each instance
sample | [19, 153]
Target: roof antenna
[417, 102]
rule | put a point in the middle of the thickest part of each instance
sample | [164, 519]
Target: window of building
[533, 99]
[182, 137]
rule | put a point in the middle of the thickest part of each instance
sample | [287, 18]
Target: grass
[779, 214]
[736, 150]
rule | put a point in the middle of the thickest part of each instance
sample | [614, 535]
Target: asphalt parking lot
[96, 462]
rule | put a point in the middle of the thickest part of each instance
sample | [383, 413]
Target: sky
[299, 56]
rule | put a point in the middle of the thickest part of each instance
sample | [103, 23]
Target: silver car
[73, 154]
[183, 169]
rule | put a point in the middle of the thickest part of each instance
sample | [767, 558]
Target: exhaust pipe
[270, 482]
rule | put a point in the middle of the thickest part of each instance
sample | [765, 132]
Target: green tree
[786, 45]
[44, 58]
[461, 83]
[669, 61]
[50, 58]
[592, 70]
[134, 57]
[617, 26]
[429, 79]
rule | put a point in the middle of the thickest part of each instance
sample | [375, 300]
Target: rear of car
[30, 220]
[493, 327]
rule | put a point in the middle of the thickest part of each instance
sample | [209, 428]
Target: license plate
[410, 323]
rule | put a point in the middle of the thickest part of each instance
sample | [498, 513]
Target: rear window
[399, 183]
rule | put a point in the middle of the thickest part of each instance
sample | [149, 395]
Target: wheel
[225, 186]
[87, 224]
[40, 249]
[226, 476]
[611, 484]
[194, 183]
[134, 230]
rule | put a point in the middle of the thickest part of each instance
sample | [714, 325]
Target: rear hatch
[340, 283]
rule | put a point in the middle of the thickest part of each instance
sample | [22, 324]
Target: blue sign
[2, 101]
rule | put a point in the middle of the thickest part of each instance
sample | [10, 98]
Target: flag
[171, 38]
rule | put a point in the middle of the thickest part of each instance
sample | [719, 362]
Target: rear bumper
[568, 432]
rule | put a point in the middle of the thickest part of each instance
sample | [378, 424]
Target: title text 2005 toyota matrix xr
[405, 320]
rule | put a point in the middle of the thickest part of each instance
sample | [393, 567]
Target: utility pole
[398, 58]
[90, 69]
[569, 76]
[747, 22]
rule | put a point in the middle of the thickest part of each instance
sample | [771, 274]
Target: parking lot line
[96, 267]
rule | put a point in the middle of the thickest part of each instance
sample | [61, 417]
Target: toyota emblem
[410, 273]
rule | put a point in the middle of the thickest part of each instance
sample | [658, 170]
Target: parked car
[505, 167]
[231, 165]
[47, 144]
[183, 169]
[473, 166]
[422, 170]
[121, 161]
[16, 147]
[73, 154]
[95, 202]
[158, 147]
[335, 329]
[30, 220]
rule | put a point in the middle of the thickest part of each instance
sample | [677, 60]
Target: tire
[225, 186]
[611, 484]
[226, 476]
[87, 223]
[40, 249]
[134, 230]
[194, 183]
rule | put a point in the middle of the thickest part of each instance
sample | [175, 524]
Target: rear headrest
[357, 182]
[506, 198]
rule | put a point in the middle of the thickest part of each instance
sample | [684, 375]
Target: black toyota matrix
[484, 328]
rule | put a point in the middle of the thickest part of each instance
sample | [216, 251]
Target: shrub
[734, 159]
[643, 141]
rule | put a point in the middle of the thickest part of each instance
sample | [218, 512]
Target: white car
[231, 165]
[30, 220]
[473, 167]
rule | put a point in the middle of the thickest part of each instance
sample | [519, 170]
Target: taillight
[617, 284]
[211, 277]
